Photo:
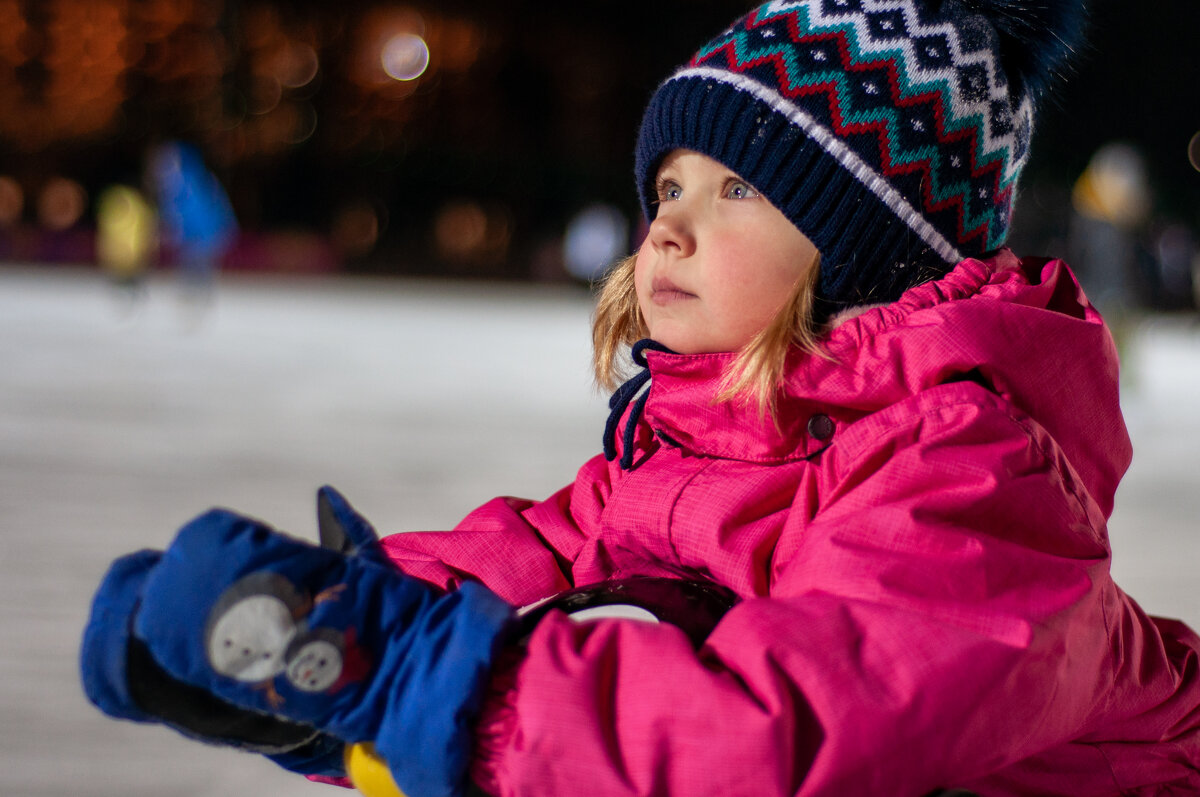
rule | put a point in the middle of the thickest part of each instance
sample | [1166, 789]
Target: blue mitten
[124, 681]
[334, 640]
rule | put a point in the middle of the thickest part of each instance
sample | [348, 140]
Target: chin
[674, 343]
[688, 342]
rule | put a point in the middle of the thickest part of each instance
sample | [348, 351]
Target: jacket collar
[1024, 329]
[820, 393]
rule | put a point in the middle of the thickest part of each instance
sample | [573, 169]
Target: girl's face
[719, 261]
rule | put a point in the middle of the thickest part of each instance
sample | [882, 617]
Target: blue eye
[740, 190]
[669, 190]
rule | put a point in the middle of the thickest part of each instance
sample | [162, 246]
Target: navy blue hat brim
[854, 228]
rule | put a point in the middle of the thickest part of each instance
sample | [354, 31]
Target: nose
[670, 231]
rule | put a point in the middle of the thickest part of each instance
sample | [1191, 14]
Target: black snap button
[820, 427]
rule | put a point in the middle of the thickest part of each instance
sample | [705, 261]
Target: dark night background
[526, 115]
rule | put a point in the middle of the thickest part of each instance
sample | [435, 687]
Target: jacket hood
[1021, 328]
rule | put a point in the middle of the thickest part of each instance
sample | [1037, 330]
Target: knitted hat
[890, 132]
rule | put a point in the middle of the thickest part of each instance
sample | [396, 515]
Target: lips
[664, 291]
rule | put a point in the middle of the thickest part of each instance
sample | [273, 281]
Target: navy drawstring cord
[621, 399]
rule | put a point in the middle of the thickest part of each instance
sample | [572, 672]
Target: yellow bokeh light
[12, 201]
[296, 65]
[465, 231]
[61, 203]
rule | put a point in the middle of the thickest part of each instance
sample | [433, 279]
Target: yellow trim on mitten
[369, 773]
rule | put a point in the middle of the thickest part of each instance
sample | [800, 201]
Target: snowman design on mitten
[314, 660]
[257, 630]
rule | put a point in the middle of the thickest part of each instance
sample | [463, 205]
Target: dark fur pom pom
[1037, 37]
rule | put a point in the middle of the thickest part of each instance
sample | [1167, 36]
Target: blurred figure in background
[1174, 253]
[1111, 202]
[126, 239]
[196, 220]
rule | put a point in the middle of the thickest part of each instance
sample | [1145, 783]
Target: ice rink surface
[420, 400]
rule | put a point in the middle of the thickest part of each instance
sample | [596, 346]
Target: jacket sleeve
[522, 550]
[941, 615]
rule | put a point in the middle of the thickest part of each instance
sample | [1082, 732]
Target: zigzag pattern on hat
[844, 155]
[920, 102]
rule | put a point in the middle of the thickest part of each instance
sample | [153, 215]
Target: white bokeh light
[405, 56]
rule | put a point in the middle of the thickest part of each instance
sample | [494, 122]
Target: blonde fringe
[754, 376]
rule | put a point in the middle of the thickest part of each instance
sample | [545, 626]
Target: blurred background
[491, 140]
[249, 248]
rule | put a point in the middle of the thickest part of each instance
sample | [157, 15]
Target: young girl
[864, 495]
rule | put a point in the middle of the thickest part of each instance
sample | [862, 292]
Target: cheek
[751, 298]
[641, 283]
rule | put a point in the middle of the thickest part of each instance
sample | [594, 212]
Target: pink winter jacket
[926, 592]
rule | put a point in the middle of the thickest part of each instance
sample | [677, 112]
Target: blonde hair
[754, 376]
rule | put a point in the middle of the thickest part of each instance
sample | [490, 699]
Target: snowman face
[249, 639]
[315, 661]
